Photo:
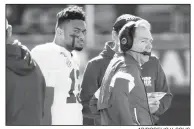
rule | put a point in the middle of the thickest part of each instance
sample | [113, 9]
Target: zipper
[147, 101]
[135, 112]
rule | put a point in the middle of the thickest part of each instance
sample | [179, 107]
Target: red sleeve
[89, 86]
[123, 85]
[122, 102]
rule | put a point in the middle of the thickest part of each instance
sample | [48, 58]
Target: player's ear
[59, 31]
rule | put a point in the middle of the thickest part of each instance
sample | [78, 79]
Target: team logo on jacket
[68, 62]
[147, 81]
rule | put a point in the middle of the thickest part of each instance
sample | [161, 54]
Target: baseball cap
[122, 20]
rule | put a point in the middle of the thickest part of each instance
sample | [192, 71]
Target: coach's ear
[114, 36]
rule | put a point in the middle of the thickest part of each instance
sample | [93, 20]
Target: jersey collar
[64, 51]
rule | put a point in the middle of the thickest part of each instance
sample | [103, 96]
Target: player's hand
[154, 105]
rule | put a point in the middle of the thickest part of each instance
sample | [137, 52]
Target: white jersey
[61, 75]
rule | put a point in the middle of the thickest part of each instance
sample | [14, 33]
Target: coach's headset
[126, 37]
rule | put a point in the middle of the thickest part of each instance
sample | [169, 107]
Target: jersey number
[73, 76]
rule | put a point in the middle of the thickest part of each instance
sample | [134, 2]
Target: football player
[61, 70]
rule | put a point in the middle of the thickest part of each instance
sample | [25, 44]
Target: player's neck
[61, 43]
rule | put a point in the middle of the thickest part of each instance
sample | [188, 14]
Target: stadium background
[34, 24]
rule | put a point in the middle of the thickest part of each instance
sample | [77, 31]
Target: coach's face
[143, 42]
[75, 32]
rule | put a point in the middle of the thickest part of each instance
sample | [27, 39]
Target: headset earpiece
[123, 41]
[126, 37]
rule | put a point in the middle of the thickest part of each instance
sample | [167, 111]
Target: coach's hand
[154, 105]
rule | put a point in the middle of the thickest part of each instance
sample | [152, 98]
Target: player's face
[75, 32]
[143, 42]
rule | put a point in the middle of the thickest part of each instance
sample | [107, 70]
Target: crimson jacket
[155, 81]
[122, 99]
[96, 68]
[25, 87]
[93, 76]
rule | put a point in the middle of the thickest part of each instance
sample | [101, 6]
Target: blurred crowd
[35, 24]
[28, 19]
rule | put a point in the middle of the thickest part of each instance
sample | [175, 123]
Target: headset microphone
[143, 53]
